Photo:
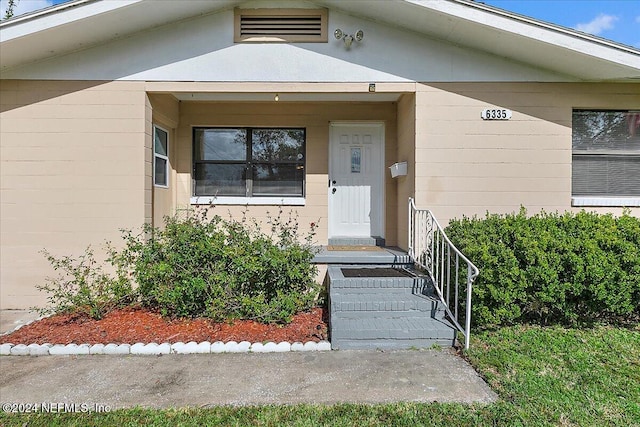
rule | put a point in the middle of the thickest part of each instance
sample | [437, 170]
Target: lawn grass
[544, 377]
[557, 376]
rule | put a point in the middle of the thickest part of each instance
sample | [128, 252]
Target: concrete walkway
[11, 319]
[242, 379]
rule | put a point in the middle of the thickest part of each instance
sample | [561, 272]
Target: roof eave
[460, 22]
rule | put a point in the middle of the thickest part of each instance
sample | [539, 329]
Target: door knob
[333, 191]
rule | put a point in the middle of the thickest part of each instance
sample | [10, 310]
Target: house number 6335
[495, 114]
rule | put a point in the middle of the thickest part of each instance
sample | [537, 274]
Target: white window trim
[252, 201]
[161, 156]
[604, 200]
[597, 201]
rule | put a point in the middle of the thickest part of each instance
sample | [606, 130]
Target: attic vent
[280, 25]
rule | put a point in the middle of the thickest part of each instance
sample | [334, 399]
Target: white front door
[356, 175]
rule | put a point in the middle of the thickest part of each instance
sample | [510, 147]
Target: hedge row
[566, 268]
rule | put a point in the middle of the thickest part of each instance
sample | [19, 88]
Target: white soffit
[79, 24]
[475, 25]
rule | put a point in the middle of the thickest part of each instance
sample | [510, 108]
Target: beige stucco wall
[165, 114]
[72, 173]
[467, 166]
[406, 152]
[315, 117]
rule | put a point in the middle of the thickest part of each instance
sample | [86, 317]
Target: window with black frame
[249, 162]
[606, 154]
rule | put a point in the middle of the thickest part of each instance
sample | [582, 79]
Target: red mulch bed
[132, 325]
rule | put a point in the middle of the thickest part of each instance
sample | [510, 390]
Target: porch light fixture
[348, 38]
[276, 98]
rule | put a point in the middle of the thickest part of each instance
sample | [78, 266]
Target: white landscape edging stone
[217, 347]
[38, 349]
[116, 349]
[20, 350]
[5, 349]
[151, 349]
[154, 349]
[283, 347]
[324, 346]
[191, 347]
[97, 349]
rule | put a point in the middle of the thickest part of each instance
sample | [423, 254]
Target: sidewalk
[10, 319]
[242, 379]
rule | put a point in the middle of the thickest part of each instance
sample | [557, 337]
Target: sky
[617, 20]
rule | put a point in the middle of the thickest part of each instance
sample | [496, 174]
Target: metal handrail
[432, 251]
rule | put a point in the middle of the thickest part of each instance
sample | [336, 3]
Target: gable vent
[280, 25]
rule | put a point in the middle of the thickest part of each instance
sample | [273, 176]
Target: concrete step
[356, 241]
[383, 302]
[359, 285]
[384, 256]
[389, 344]
[337, 316]
[405, 332]
[381, 288]
[398, 328]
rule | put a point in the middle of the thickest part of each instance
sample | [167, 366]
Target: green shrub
[83, 287]
[552, 268]
[223, 268]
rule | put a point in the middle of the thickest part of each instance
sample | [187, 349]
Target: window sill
[606, 201]
[252, 201]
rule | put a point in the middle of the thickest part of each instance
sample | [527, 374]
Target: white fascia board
[518, 19]
[50, 18]
[535, 30]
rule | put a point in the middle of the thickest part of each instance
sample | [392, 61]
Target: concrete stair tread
[387, 312]
[388, 256]
[390, 344]
[382, 335]
[403, 323]
[387, 284]
[356, 241]
[426, 316]
[389, 295]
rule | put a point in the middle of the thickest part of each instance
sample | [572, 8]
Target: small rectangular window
[356, 157]
[606, 158]
[280, 25]
[160, 157]
[248, 162]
